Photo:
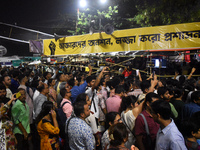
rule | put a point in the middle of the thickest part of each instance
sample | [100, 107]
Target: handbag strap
[64, 104]
[95, 109]
[145, 123]
[27, 90]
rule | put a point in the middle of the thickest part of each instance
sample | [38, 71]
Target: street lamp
[83, 3]
[103, 1]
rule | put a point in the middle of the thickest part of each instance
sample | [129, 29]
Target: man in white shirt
[92, 93]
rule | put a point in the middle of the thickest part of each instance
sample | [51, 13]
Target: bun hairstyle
[118, 134]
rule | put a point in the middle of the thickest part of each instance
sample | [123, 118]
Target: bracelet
[7, 106]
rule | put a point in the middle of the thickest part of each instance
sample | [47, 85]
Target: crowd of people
[79, 110]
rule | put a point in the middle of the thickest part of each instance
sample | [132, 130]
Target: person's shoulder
[190, 105]
[140, 118]
[38, 97]
[74, 119]
[16, 105]
[66, 101]
[109, 98]
[88, 89]
[79, 123]
[21, 86]
[174, 133]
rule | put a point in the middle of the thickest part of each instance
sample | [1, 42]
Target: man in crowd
[145, 89]
[194, 106]
[164, 94]
[137, 90]
[113, 103]
[29, 94]
[42, 97]
[47, 76]
[6, 80]
[60, 82]
[148, 86]
[92, 92]
[168, 136]
[140, 128]
[20, 114]
[77, 89]
[80, 134]
[67, 107]
[3, 98]
[14, 81]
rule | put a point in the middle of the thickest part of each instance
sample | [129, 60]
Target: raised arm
[90, 70]
[99, 78]
[139, 75]
[153, 84]
[176, 74]
[137, 110]
[5, 107]
[191, 73]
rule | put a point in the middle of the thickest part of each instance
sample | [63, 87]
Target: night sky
[37, 15]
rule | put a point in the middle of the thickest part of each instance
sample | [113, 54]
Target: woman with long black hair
[48, 127]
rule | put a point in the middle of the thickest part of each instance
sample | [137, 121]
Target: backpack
[61, 118]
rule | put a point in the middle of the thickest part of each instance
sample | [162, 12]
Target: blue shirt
[76, 90]
[189, 109]
[14, 86]
[170, 138]
[80, 135]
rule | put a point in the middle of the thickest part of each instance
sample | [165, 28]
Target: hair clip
[112, 137]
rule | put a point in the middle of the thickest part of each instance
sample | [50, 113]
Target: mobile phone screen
[137, 72]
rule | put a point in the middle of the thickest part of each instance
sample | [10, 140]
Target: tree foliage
[164, 12]
[125, 14]
[96, 19]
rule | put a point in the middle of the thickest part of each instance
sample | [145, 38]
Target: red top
[126, 73]
[140, 127]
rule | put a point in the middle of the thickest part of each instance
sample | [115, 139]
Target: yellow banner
[178, 36]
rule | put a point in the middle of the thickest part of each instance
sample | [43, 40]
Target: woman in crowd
[7, 137]
[130, 111]
[119, 136]
[52, 92]
[48, 127]
[111, 119]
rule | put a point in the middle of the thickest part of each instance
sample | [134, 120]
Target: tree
[126, 14]
[165, 12]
